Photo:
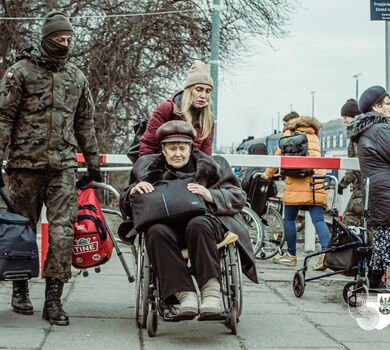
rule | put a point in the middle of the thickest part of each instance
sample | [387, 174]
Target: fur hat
[350, 108]
[199, 74]
[56, 21]
[371, 97]
[176, 131]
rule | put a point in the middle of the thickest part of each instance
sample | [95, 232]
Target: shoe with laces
[286, 259]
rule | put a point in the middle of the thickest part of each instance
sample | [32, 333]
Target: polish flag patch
[10, 75]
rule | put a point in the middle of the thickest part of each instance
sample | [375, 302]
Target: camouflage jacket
[352, 177]
[46, 111]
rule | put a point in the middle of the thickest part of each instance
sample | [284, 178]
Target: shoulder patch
[10, 75]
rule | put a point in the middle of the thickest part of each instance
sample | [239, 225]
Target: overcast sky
[329, 41]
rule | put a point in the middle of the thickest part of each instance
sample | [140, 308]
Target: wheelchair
[149, 304]
[269, 215]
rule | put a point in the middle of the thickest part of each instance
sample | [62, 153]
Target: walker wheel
[98, 269]
[151, 323]
[351, 293]
[299, 284]
[85, 273]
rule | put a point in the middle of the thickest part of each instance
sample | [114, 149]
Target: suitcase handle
[19, 254]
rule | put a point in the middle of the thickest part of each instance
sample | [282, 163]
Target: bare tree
[133, 62]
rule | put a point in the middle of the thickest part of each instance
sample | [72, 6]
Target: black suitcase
[19, 259]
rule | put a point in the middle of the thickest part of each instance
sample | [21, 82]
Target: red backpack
[92, 244]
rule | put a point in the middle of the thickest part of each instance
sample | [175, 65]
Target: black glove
[340, 189]
[93, 175]
[1, 179]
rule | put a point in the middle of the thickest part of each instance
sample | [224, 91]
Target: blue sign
[380, 10]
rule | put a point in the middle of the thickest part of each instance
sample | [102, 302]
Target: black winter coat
[371, 131]
[216, 175]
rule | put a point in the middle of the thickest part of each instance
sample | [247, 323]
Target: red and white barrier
[44, 237]
[258, 161]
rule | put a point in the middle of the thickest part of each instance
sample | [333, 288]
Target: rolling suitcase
[19, 259]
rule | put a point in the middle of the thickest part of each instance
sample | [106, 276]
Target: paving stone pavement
[101, 310]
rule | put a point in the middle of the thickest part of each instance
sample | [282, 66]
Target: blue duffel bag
[19, 257]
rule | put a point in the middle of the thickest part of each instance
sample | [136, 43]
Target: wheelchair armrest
[230, 237]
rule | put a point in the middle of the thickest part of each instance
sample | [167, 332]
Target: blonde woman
[193, 105]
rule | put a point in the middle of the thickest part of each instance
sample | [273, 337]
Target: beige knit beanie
[199, 74]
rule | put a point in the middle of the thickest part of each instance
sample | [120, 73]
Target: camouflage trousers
[353, 213]
[29, 190]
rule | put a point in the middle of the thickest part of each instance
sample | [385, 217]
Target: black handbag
[170, 200]
[19, 257]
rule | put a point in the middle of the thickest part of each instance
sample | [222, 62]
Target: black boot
[52, 310]
[376, 284]
[20, 298]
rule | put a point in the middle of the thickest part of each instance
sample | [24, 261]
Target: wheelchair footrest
[172, 315]
[221, 317]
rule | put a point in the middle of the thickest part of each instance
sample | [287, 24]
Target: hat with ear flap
[176, 131]
[199, 74]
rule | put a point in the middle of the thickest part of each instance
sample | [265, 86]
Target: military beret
[176, 131]
[371, 97]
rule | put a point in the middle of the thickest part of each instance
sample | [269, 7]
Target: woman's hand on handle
[201, 191]
[142, 187]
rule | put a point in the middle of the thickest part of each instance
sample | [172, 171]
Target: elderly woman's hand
[201, 191]
[142, 187]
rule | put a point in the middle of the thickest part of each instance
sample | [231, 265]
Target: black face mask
[54, 49]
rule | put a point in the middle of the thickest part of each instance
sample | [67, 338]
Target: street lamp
[356, 76]
[312, 103]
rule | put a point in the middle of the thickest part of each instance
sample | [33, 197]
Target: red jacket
[165, 112]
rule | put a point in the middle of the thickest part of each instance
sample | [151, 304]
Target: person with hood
[212, 179]
[371, 132]
[353, 213]
[46, 111]
[298, 194]
[192, 104]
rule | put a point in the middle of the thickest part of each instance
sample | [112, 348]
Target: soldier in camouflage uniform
[46, 111]
[353, 214]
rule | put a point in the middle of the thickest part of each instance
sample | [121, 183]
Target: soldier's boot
[376, 284]
[21, 299]
[52, 310]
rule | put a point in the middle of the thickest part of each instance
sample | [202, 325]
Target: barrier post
[310, 234]
[44, 237]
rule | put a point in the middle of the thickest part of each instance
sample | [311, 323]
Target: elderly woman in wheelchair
[210, 178]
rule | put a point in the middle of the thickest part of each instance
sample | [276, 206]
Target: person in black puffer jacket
[371, 132]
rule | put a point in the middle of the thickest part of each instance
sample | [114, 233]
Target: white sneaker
[189, 304]
[211, 298]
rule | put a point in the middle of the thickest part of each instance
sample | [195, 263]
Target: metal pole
[214, 62]
[312, 103]
[278, 122]
[387, 39]
[356, 76]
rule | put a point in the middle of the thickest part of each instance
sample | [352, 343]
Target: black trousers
[164, 243]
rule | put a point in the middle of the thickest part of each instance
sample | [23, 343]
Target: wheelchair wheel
[255, 229]
[274, 237]
[151, 323]
[233, 320]
[299, 284]
[354, 293]
[236, 278]
[142, 285]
